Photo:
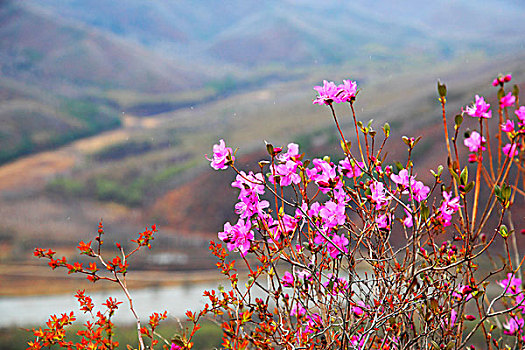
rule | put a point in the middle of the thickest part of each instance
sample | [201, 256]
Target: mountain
[41, 49]
[305, 32]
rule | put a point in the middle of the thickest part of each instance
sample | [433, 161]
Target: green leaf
[469, 187]
[464, 176]
[386, 129]
[425, 212]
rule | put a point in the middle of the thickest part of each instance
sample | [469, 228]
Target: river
[35, 310]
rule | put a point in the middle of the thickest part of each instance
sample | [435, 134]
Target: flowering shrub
[315, 239]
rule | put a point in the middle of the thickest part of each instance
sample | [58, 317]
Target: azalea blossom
[221, 156]
[378, 194]
[333, 214]
[510, 150]
[335, 285]
[448, 207]
[474, 142]
[513, 326]
[328, 93]
[480, 109]
[286, 173]
[508, 126]
[511, 284]
[251, 205]
[291, 154]
[402, 179]
[507, 100]
[297, 310]
[238, 236]
[384, 221]
[420, 191]
[520, 113]
[347, 90]
[463, 291]
[351, 168]
[325, 175]
[287, 279]
[249, 183]
[407, 221]
[500, 80]
[339, 241]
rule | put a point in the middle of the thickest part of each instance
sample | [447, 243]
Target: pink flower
[251, 205]
[508, 126]
[238, 236]
[378, 194]
[500, 80]
[287, 279]
[347, 90]
[335, 285]
[384, 221]
[513, 326]
[453, 316]
[291, 154]
[298, 310]
[510, 150]
[520, 113]
[474, 142]
[358, 342]
[448, 207]
[324, 174]
[420, 191]
[286, 225]
[357, 310]
[339, 241]
[221, 156]
[511, 283]
[328, 93]
[350, 168]
[249, 183]
[286, 173]
[402, 179]
[463, 291]
[407, 221]
[333, 214]
[507, 100]
[175, 347]
[479, 109]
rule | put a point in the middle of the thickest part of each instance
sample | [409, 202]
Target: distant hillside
[305, 32]
[37, 47]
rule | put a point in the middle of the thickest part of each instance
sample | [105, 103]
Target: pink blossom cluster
[501, 80]
[222, 156]
[286, 171]
[409, 185]
[513, 287]
[330, 93]
[480, 109]
[325, 175]
[448, 207]
[238, 236]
